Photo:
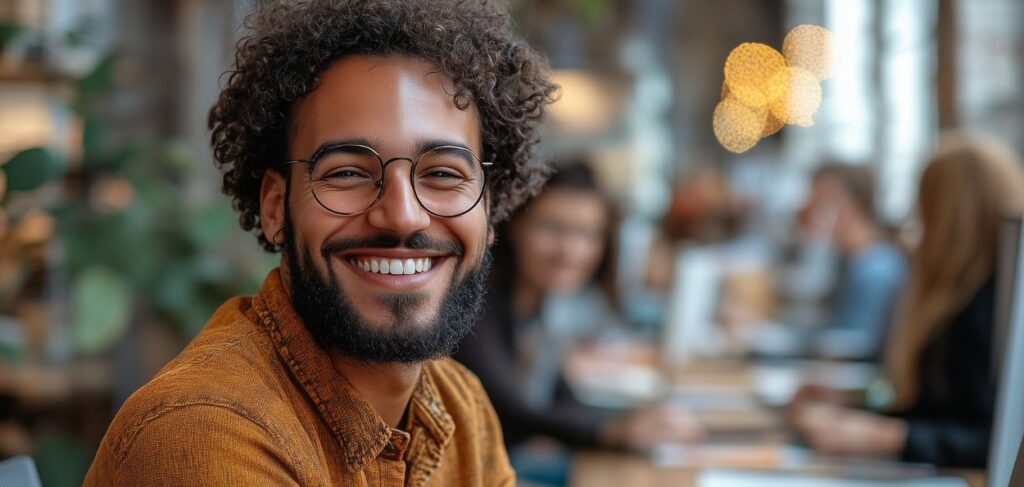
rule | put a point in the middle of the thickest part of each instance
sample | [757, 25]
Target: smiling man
[374, 143]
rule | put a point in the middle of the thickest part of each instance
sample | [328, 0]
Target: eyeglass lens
[447, 181]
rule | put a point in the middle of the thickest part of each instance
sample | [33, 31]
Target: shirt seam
[122, 448]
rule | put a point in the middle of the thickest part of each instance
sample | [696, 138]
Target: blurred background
[116, 244]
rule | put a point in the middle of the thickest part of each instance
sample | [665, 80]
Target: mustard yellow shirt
[253, 400]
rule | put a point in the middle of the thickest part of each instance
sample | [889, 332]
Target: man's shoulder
[231, 350]
[230, 367]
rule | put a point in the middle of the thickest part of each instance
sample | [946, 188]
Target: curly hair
[289, 44]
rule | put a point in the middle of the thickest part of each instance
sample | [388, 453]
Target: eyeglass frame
[312, 160]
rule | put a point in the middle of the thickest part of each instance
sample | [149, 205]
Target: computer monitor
[689, 327]
[1008, 429]
[1018, 468]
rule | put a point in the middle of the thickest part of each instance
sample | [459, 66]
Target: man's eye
[442, 174]
[346, 174]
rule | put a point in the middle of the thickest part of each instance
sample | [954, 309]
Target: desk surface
[600, 469]
[743, 434]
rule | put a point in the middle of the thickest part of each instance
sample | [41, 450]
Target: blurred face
[560, 240]
[395, 283]
[823, 211]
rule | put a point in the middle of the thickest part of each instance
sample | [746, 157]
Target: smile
[385, 265]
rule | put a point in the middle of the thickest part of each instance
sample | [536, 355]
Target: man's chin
[387, 323]
[392, 311]
[406, 327]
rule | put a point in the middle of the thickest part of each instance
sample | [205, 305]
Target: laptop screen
[1018, 468]
[1009, 419]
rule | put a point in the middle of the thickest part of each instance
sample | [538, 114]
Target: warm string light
[809, 47]
[737, 125]
[764, 90]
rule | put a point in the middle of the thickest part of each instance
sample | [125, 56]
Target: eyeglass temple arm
[296, 161]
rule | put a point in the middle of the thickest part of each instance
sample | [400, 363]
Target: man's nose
[398, 211]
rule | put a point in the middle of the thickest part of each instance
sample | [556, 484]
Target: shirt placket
[391, 460]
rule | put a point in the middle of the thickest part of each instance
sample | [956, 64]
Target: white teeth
[393, 266]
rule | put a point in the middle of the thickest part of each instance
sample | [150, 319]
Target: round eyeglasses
[348, 179]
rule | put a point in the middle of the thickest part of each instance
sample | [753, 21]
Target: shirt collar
[358, 428]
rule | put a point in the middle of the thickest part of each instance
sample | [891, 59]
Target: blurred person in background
[704, 210]
[356, 137]
[939, 356]
[839, 211]
[548, 292]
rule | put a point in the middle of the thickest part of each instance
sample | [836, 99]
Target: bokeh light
[767, 90]
[795, 96]
[583, 106]
[772, 125]
[809, 47]
[748, 69]
[738, 126]
[35, 227]
[111, 195]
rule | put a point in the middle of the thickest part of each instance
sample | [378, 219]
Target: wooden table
[596, 469]
[600, 469]
[751, 436]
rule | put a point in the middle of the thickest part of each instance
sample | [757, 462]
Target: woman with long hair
[551, 287]
[939, 356]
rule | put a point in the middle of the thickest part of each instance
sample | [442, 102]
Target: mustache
[416, 241]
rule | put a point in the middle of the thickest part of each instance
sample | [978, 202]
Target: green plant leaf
[592, 11]
[174, 287]
[211, 224]
[9, 31]
[99, 81]
[95, 141]
[179, 157]
[62, 461]
[122, 156]
[211, 267]
[101, 301]
[31, 168]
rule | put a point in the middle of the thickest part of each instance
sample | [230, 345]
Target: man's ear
[272, 206]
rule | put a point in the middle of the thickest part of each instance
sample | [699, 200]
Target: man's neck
[387, 387]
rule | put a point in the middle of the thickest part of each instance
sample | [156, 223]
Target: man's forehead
[396, 99]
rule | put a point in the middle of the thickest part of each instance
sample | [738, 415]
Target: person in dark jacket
[547, 292]
[939, 357]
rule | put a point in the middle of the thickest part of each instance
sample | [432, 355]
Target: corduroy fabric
[253, 400]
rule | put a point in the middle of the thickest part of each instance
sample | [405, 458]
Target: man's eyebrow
[427, 144]
[353, 141]
[421, 145]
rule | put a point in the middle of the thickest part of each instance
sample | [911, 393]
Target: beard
[407, 336]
